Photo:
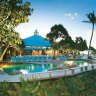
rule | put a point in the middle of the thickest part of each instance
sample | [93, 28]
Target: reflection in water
[51, 66]
[32, 67]
[43, 66]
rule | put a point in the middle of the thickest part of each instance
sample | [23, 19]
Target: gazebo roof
[36, 40]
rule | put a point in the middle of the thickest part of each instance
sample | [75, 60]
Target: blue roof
[36, 40]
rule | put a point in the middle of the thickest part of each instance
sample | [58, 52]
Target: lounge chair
[67, 56]
[84, 56]
[35, 58]
[24, 59]
[13, 59]
[79, 56]
[19, 58]
[45, 58]
[40, 58]
[29, 58]
[61, 57]
[49, 58]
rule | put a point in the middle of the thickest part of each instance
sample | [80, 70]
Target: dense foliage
[65, 40]
[80, 85]
[93, 50]
[57, 32]
[80, 44]
[12, 13]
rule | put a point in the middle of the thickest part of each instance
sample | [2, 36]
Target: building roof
[36, 40]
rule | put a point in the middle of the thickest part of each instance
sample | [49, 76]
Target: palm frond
[86, 21]
[91, 17]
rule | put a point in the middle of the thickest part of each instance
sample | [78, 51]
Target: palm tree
[91, 19]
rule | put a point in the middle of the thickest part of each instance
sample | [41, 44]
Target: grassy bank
[80, 85]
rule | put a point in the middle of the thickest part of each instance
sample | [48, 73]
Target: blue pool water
[32, 68]
[29, 68]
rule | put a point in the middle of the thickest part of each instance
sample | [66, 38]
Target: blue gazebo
[35, 43]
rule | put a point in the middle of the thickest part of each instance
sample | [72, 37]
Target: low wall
[61, 73]
[48, 74]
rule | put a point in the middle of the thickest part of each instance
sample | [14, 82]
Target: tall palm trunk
[91, 39]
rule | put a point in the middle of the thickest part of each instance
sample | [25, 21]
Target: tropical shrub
[78, 85]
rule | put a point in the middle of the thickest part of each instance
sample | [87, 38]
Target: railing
[48, 74]
[61, 73]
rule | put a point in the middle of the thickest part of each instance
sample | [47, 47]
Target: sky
[69, 13]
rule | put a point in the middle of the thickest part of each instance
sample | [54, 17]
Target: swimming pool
[78, 62]
[33, 68]
[28, 68]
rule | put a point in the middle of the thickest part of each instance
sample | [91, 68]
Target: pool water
[77, 62]
[32, 68]
[29, 68]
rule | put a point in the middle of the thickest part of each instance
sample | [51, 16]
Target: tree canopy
[58, 31]
[80, 44]
[12, 13]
